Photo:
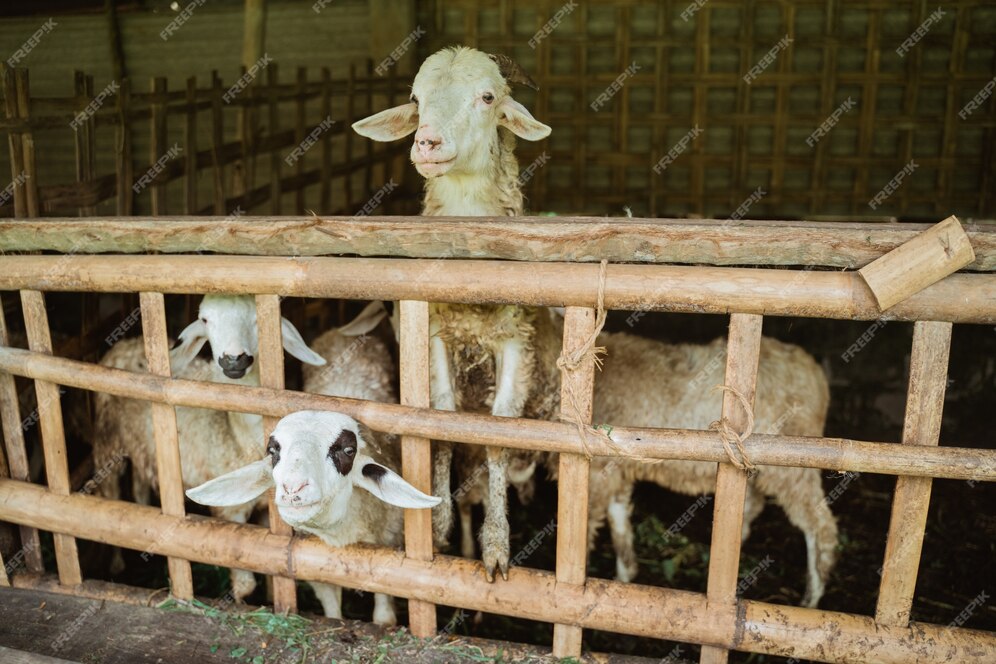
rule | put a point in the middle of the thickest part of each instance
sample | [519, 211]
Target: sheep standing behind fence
[465, 122]
[211, 442]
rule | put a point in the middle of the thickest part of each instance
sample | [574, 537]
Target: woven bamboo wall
[691, 74]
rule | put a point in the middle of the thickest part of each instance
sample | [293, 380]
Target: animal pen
[750, 271]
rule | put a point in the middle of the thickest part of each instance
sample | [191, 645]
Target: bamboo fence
[425, 272]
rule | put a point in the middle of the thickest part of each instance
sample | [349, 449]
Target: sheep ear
[188, 344]
[390, 487]
[513, 116]
[369, 318]
[237, 487]
[389, 125]
[294, 344]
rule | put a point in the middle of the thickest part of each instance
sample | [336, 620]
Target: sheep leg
[243, 581]
[466, 528]
[753, 507]
[384, 610]
[620, 525]
[111, 490]
[442, 391]
[494, 532]
[331, 599]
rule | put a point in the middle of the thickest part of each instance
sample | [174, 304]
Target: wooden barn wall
[689, 74]
[296, 36]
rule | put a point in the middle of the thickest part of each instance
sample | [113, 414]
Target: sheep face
[459, 99]
[228, 322]
[315, 459]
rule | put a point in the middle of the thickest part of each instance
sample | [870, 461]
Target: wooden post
[271, 374]
[190, 148]
[158, 143]
[924, 407]
[17, 457]
[52, 434]
[743, 350]
[14, 141]
[300, 118]
[218, 143]
[416, 458]
[164, 431]
[27, 144]
[273, 95]
[125, 179]
[572, 485]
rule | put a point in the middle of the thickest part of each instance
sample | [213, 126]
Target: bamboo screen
[717, 619]
[691, 60]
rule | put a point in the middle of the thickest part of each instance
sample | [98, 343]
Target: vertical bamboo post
[348, 138]
[572, 486]
[52, 433]
[416, 460]
[165, 433]
[190, 148]
[924, 407]
[271, 374]
[14, 142]
[27, 143]
[123, 158]
[217, 143]
[326, 184]
[300, 120]
[82, 137]
[158, 141]
[17, 457]
[273, 95]
[743, 349]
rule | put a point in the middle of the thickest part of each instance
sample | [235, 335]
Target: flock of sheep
[496, 359]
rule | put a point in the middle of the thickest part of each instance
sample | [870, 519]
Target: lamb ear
[389, 125]
[390, 487]
[188, 344]
[294, 344]
[368, 319]
[514, 116]
[237, 487]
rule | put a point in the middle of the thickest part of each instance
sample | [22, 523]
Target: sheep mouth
[434, 168]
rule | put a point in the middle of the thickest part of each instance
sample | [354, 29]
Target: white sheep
[211, 442]
[465, 122]
[315, 460]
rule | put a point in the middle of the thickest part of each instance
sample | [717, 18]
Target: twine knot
[733, 439]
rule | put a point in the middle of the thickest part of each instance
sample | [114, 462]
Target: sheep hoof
[497, 562]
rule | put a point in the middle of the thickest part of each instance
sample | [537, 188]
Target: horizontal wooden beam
[531, 594]
[768, 450]
[960, 298]
[577, 239]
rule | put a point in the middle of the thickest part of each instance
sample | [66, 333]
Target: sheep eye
[273, 449]
[349, 451]
[414, 99]
[488, 97]
[203, 319]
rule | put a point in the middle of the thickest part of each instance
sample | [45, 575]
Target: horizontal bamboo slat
[605, 605]
[578, 239]
[961, 298]
[836, 454]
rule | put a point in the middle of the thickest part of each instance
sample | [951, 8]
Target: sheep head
[460, 97]
[228, 322]
[314, 459]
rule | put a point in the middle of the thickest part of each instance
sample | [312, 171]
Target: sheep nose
[235, 367]
[427, 141]
[291, 491]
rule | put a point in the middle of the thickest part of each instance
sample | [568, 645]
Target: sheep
[465, 123]
[123, 427]
[315, 459]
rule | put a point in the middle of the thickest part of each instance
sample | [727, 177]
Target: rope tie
[731, 438]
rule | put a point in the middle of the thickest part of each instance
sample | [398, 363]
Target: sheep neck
[493, 192]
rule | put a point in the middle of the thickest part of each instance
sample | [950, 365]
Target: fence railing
[717, 619]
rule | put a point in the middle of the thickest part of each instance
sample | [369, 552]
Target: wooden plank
[922, 427]
[271, 374]
[576, 394]
[190, 150]
[11, 656]
[300, 119]
[165, 433]
[52, 433]
[122, 154]
[217, 143]
[158, 142]
[743, 351]
[960, 298]
[531, 594]
[14, 142]
[836, 454]
[575, 239]
[416, 457]
[272, 80]
[17, 457]
[27, 143]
